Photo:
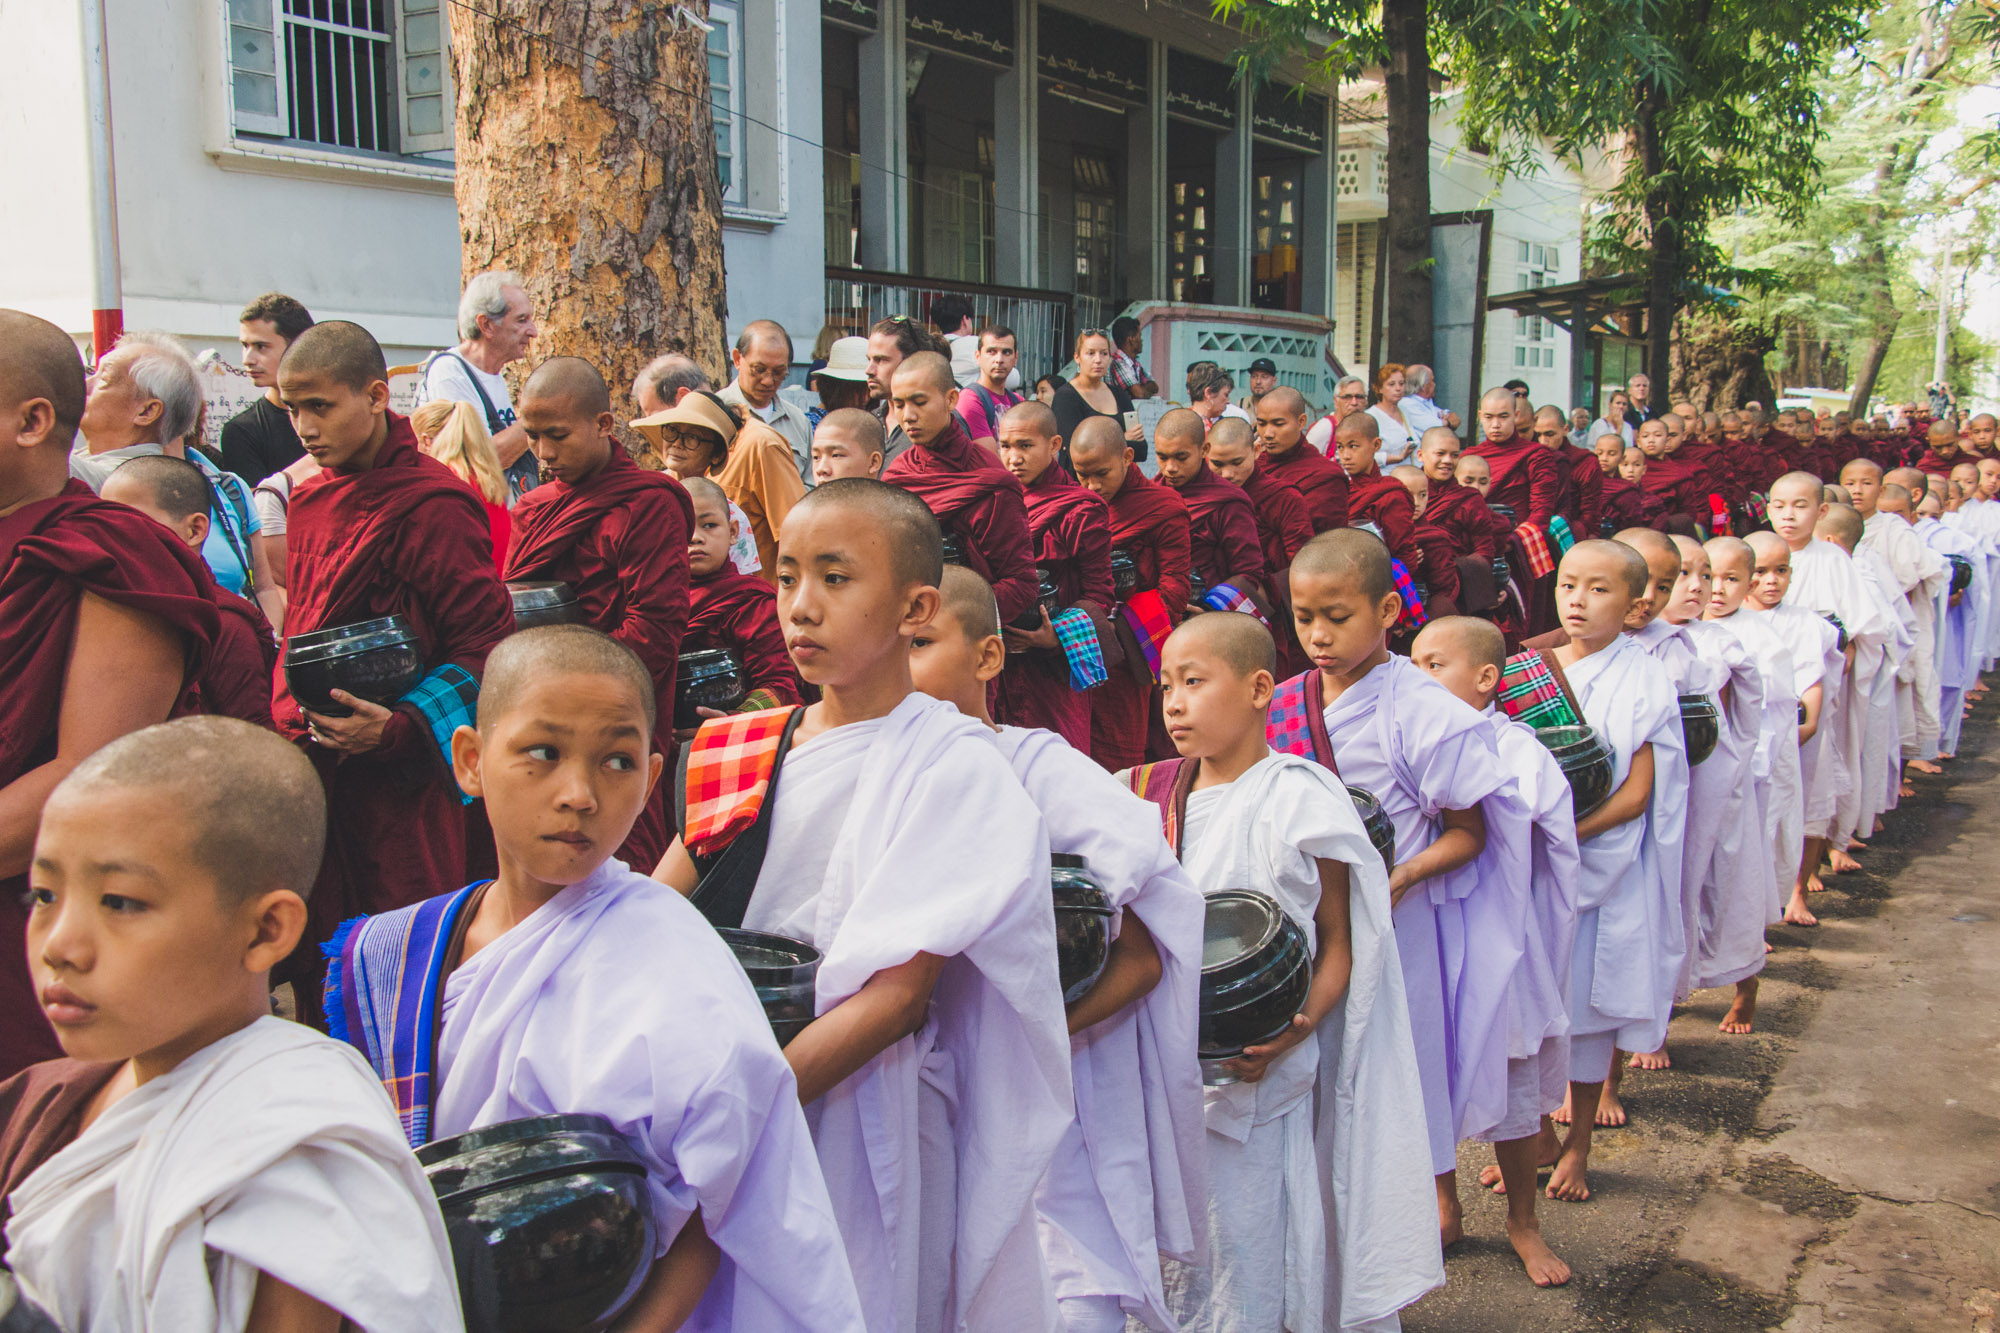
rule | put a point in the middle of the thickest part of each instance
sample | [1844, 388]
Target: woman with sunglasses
[703, 436]
[1089, 394]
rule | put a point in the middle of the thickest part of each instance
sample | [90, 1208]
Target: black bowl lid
[512, 1131]
[357, 637]
[1068, 861]
[794, 953]
[1697, 703]
[1240, 921]
[535, 596]
[711, 658]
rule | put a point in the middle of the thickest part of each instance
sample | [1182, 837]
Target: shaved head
[1911, 480]
[1730, 550]
[1842, 525]
[1360, 424]
[1764, 544]
[1865, 466]
[1233, 431]
[1647, 542]
[173, 486]
[916, 543]
[1497, 398]
[705, 492]
[1239, 641]
[1098, 438]
[251, 802]
[1284, 398]
[1622, 554]
[337, 350]
[532, 656]
[1349, 553]
[1032, 415]
[569, 379]
[1802, 484]
[969, 600]
[38, 360]
[1181, 423]
[927, 368]
[1480, 642]
[1896, 499]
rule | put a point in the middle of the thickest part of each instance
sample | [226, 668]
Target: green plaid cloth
[1078, 638]
[1530, 693]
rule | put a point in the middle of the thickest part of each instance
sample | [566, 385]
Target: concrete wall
[44, 212]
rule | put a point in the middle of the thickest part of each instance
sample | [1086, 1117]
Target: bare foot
[1856, 845]
[1796, 913]
[1548, 1151]
[1489, 1176]
[1840, 863]
[1925, 766]
[1649, 1060]
[1545, 1269]
[1610, 1115]
[1451, 1217]
[1738, 1020]
[1946, 758]
[1814, 884]
[1568, 1182]
[1906, 789]
[1561, 1114]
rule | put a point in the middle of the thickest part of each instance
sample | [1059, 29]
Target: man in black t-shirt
[259, 440]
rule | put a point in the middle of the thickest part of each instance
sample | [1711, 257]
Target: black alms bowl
[1961, 572]
[1124, 573]
[550, 1223]
[1585, 760]
[954, 550]
[1083, 924]
[708, 678]
[1255, 969]
[1840, 629]
[781, 969]
[1381, 829]
[1701, 727]
[544, 604]
[376, 660]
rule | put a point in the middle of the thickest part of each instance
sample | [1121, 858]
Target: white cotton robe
[1630, 940]
[1780, 778]
[272, 1150]
[1882, 746]
[1537, 997]
[1129, 1179]
[1826, 581]
[616, 998]
[904, 835]
[1979, 521]
[1733, 904]
[1958, 627]
[1421, 751]
[1920, 574]
[1318, 1216]
[1817, 658]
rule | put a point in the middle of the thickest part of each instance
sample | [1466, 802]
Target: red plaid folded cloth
[1531, 692]
[1541, 561]
[1414, 616]
[729, 770]
[1718, 516]
[1146, 613]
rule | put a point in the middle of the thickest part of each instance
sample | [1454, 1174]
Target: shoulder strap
[1555, 667]
[1322, 744]
[493, 423]
[728, 875]
[991, 408]
[1167, 784]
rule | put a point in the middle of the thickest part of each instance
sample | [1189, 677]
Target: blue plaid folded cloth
[447, 699]
[1078, 638]
[1414, 614]
[1559, 529]
[1223, 597]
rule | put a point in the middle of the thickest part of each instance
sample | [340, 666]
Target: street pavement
[1839, 1168]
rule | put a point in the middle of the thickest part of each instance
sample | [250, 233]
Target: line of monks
[1418, 621]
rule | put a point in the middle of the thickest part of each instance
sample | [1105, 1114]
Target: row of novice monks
[947, 1145]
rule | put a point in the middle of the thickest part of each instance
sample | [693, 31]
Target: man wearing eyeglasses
[1349, 396]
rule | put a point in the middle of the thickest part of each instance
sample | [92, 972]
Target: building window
[1534, 336]
[368, 76]
[725, 90]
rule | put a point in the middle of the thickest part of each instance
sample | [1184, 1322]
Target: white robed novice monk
[1878, 775]
[1318, 1215]
[574, 985]
[224, 1165]
[902, 847]
[1128, 1184]
[1959, 618]
[1919, 575]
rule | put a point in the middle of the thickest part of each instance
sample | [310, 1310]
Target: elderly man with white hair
[146, 399]
[496, 325]
[1419, 402]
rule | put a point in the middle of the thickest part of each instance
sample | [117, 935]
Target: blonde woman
[455, 434]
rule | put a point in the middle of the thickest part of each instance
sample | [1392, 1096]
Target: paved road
[1837, 1169]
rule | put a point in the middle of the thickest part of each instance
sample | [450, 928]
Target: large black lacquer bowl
[1585, 760]
[1083, 924]
[544, 604]
[377, 660]
[1255, 970]
[1701, 726]
[782, 970]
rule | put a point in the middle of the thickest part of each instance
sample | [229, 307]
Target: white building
[1059, 161]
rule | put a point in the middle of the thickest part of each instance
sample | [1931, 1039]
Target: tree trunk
[586, 163]
[1663, 226]
[1407, 90]
[1718, 364]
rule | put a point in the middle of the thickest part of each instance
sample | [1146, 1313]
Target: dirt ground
[1837, 1169]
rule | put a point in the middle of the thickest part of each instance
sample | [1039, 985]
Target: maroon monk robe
[1586, 489]
[1223, 544]
[1318, 480]
[51, 553]
[739, 612]
[238, 680]
[1283, 527]
[1712, 476]
[1683, 498]
[1456, 522]
[1526, 478]
[41, 1113]
[1626, 506]
[1150, 523]
[620, 540]
[406, 537]
[1934, 464]
[974, 496]
[1388, 504]
[1071, 531]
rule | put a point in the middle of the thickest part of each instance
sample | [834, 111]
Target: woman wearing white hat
[703, 436]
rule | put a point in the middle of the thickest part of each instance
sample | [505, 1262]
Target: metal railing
[1044, 322]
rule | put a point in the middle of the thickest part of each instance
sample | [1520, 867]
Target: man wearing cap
[763, 357]
[1263, 379]
[982, 402]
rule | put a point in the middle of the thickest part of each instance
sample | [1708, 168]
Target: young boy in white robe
[1958, 618]
[1878, 776]
[1466, 655]
[1128, 1183]
[1460, 882]
[1919, 574]
[1821, 656]
[1630, 942]
[1777, 823]
[901, 846]
[1824, 581]
[570, 984]
[1315, 1218]
[228, 1169]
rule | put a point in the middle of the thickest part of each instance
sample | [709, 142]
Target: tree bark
[1663, 269]
[1719, 363]
[1407, 90]
[586, 163]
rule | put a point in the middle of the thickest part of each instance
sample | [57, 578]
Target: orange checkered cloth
[729, 771]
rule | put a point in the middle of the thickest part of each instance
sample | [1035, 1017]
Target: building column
[885, 146]
[1579, 352]
[1319, 222]
[1017, 166]
[1232, 206]
[1145, 202]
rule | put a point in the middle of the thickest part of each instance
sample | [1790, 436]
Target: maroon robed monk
[1223, 543]
[1281, 432]
[739, 612]
[109, 623]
